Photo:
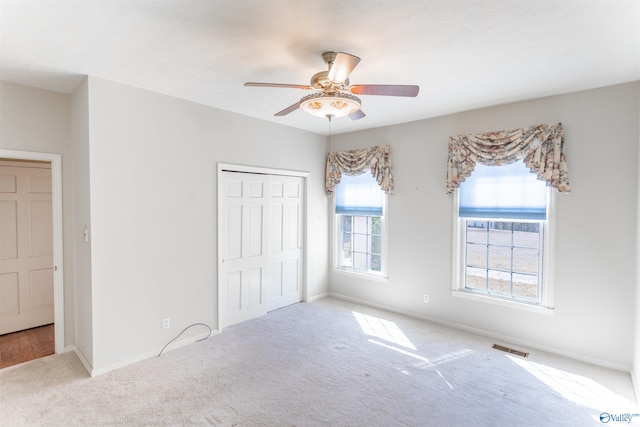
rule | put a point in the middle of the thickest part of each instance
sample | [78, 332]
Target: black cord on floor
[183, 331]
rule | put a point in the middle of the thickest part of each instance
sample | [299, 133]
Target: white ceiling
[462, 54]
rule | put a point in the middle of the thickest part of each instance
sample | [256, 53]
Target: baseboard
[317, 297]
[130, 361]
[488, 334]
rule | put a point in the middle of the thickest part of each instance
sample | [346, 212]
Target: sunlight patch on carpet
[401, 351]
[576, 388]
[383, 329]
[426, 362]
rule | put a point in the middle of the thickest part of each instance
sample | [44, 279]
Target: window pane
[525, 286]
[360, 261]
[476, 255]
[477, 231]
[376, 244]
[525, 260]
[346, 242]
[376, 263]
[376, 225]
[360, 242]
[499, 282]
[360, 224]
[500, 233]
[346, 260]
[346, 223]
[529, 237]
[476, 278]
[499, 258]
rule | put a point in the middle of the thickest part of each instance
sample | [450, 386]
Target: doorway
[45, 281]
[260, 241]
[26, 247]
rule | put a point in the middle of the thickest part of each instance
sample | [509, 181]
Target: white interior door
[261, 262]
[285, 243]
[26, 246]
[244, 257]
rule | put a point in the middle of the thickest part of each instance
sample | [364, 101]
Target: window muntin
[360, 225]
[501, 229]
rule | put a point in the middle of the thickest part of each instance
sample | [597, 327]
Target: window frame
[336, 250]
[545, 306]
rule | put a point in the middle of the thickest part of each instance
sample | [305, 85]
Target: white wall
[38, 120]
[153, 213]
[595, 237]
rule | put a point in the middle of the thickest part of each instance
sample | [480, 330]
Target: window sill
[503, 302]
[364, 276]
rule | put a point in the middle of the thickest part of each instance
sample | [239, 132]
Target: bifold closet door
[261, 244]
[285, 241]
[244, 257]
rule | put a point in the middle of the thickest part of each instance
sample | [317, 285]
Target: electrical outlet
[166, 323]
[426, 298]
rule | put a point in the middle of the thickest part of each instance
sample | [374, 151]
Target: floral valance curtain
[541, 148]
[356, 162]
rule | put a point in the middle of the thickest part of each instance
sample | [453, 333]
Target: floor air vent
[510, 350]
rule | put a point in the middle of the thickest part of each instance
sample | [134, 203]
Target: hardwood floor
[22, 346]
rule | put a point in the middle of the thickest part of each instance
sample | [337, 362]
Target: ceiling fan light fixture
[330, 104]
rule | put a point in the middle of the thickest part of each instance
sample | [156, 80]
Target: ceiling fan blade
[281, 85]
[356, 115]
[343, 65]
[385, 90]
[288, 110]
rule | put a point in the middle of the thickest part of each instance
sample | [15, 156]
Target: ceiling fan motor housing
[320, 81]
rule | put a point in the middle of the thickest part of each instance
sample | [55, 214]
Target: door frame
[230, 167]
[58, 265]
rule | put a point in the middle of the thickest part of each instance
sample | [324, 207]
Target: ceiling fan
[333, 95]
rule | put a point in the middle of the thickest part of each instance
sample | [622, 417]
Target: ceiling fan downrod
[329, 58]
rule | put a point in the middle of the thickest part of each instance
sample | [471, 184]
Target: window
[502, 233]
[360, 225]
[503, 258]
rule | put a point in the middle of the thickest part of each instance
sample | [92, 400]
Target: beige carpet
[325, 363]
